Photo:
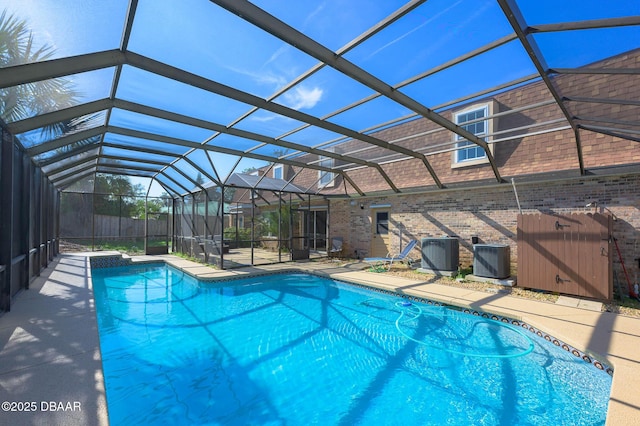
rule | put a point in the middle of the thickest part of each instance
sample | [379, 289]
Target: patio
[246, 134]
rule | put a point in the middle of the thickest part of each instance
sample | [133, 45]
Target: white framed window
[278, 171]
[326, 179]
[474, 119]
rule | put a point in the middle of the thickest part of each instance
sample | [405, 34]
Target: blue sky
[200, 37]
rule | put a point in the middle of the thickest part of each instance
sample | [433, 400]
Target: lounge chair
[216, 246]
[388, 260]
[336, 246]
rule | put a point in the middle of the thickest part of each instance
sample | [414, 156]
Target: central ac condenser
[440, 254]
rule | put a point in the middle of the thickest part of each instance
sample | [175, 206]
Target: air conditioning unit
[440, 254]
[491, 260]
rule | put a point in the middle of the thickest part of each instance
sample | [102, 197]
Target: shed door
[568, 254]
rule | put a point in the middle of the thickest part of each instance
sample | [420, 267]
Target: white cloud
[313, 14]
[431, 19]
[277, 54]
[267, 78]
[263, 118]
[302, 97]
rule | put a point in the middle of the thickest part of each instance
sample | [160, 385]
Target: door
[568, 254]
[318, 230]
[299, 234]
[380, 232]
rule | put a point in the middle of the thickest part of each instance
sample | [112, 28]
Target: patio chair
[220, 244]
[203, 248]
[214, 246]
[336, 246]
[388, 260]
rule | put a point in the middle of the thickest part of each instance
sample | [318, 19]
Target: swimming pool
[300, 349]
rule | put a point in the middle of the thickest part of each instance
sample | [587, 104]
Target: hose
[418, 311]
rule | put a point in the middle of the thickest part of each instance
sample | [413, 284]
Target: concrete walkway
[49, 348]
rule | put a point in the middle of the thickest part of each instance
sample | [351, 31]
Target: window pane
[325, 177]
[277, 172]
[477, 128]
[382, 223]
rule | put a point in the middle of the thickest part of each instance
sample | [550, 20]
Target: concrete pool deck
[50, 355]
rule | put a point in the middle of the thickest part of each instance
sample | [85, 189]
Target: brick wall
[550, 146]
[490, 213]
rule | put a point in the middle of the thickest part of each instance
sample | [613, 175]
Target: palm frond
[17, 47]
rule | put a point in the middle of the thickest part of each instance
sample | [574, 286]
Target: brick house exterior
[532, 142]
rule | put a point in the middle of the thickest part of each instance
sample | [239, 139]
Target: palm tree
[30, 99]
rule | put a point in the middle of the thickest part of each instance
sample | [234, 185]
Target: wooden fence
[110, 226]
[570, 254]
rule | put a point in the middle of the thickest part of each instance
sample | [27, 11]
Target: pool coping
[609, 337]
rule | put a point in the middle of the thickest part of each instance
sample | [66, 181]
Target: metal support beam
[177, 74]
[584, 25]
[191, 144]
[37, 71]
[155, 112]
[66, 140]
[102, 167]
[587, 70]
[402, 11]
[7, 198]
[603, 100]
[67, 154]
[120, 158]
[169, 190]
[185, 190]
[58, 116]
[582, 119]
[187, 177]
[63, 184]
[53, 171]
[279, 29]
[201, 170]
[515, 18]
[613, 132]
[411, 80]
[124, 44]
[68, 173]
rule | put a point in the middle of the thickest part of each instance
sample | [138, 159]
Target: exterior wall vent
[491, 260]
[440, 254]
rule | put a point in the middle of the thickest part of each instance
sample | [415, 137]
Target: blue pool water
[299, 349]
